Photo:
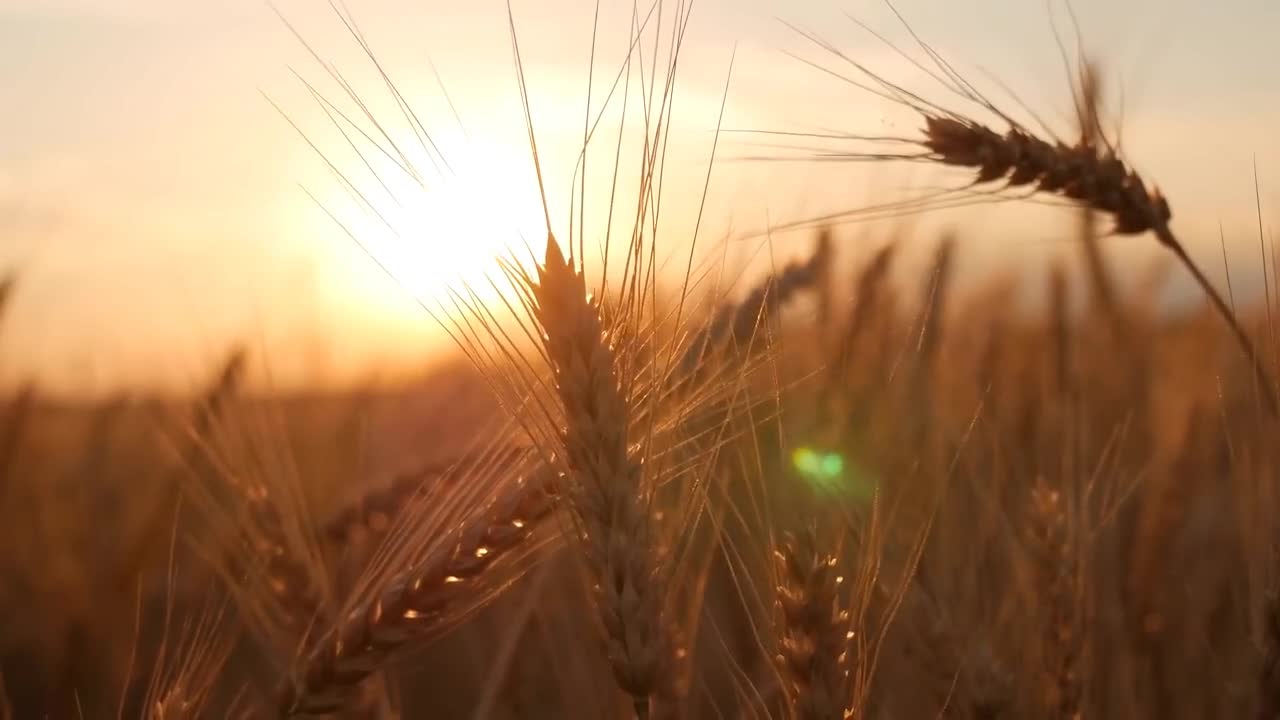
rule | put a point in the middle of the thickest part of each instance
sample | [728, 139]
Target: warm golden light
[445, 232]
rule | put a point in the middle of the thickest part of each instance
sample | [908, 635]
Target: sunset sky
[155, 204]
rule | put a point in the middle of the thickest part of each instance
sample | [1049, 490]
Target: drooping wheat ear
[416, 605]
[1089, 174]
[1058, 583]
[1083, 173]
[604, 481]
[812, 628]
[737, 325]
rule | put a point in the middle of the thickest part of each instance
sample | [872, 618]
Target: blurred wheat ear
[737, 325]
[812, 628]
[1058, 582]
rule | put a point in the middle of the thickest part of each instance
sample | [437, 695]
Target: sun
[443, 231]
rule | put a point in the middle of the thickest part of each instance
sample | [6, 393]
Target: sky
[167, 183]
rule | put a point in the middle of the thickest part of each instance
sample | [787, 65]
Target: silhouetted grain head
[1086, 174]
[1090, 173]
[740, 325]
[813, 629]
[457, 541]
[604, 482]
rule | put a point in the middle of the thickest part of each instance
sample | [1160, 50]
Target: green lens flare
[832, 465]
[806, 461]
[829, 472]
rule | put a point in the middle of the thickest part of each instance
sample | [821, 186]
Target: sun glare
[446, 233]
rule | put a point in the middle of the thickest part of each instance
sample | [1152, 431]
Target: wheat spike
[1091, 174]
[738, 324]
[1058, 582]
[374, 512]
[415, 605]
[1099, 179]
[813, 628]
[604, 481]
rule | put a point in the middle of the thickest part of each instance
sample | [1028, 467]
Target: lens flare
[831, 473]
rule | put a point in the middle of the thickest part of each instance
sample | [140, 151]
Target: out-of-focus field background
[927, 395]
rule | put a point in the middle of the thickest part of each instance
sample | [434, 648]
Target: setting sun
[445, 232]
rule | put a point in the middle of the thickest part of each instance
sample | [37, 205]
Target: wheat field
[839, 494]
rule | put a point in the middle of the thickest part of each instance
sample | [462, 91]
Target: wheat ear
[414, 605]
[375, 512]
[812, 630]
[737, 324]
[1086, 173]
[296, 592]
[182, 689]
[870, 280]
[604, 480]
[1058, 582]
